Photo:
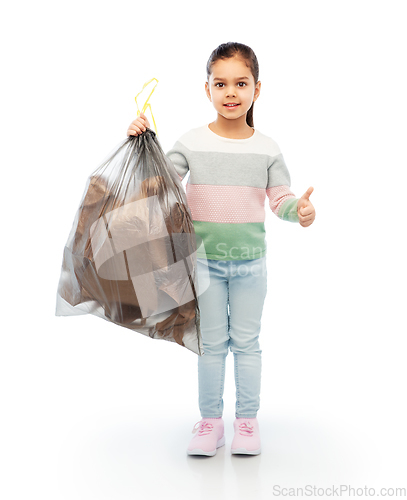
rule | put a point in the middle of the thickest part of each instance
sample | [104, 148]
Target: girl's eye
[220, 83]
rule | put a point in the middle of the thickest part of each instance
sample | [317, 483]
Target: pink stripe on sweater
[278, 195]
[226, 204]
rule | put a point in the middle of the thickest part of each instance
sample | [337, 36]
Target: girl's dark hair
[232, 49]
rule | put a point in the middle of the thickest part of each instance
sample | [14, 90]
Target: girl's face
[231, 81]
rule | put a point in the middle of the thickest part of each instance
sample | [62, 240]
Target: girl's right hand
[138, 126]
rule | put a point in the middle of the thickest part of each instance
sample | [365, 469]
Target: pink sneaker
[247, 437]
[210, 437]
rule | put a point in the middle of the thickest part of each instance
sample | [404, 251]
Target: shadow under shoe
[209, 438]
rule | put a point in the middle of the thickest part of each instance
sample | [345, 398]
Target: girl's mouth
[231, 106]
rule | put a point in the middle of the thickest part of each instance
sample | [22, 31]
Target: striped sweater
[226, 191]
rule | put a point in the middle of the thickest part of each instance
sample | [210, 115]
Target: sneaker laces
[246, 429]
[205, 428]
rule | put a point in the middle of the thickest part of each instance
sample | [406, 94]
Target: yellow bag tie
[147, 104]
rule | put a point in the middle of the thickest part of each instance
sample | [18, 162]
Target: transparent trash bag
[131, 254]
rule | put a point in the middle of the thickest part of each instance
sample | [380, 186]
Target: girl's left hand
[305, 209]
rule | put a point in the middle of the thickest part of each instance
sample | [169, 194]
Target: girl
[233, 166]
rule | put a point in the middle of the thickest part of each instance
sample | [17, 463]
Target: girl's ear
[257, 90]
[207, 91]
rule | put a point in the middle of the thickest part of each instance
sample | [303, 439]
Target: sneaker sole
[243, 451]
[198, 451]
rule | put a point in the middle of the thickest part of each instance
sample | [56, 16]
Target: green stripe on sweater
[288, 210]
[223, 241]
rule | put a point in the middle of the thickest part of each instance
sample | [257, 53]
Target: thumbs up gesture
[305, 209]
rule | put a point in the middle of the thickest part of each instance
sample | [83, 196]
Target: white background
[94, 411]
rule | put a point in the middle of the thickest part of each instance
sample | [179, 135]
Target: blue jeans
[231, 306]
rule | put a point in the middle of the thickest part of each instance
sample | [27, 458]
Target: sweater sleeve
[281, 200]
[178, 155]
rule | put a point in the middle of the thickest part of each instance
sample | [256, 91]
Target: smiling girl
[233, 166]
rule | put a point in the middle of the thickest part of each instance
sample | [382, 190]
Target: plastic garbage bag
[130, 257]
